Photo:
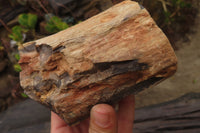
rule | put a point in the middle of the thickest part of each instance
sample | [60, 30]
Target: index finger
[58, 125]
[126, 114]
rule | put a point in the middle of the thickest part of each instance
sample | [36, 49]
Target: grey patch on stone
[45, 52]
[141, 7]
[31, 47]
[128, 66]
[117, 66]
[58, 49]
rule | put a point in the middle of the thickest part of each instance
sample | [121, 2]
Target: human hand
[103, 119]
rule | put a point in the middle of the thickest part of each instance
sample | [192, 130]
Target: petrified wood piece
[100, 60]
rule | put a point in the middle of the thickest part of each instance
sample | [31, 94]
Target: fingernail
[102, 119]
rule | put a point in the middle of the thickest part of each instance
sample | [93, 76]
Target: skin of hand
[103, 119]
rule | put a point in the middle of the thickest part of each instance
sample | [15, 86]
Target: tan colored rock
[101, 60]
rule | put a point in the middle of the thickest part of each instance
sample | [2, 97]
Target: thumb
[103, 119]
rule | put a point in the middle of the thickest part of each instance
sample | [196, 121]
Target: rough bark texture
[101, 60]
